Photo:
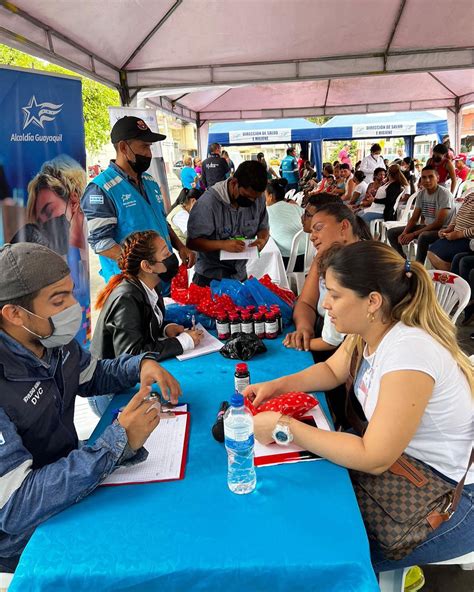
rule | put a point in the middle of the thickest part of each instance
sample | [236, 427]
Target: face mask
[64, 324]
[437, 158]
[244, 202]
[172, 264]
[56, 232]
[141, 164]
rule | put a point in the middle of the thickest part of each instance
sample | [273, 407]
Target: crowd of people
[361, 298]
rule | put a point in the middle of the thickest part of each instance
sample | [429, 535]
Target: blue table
[300, 530]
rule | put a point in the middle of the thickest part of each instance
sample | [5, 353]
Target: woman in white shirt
[414, 384]
[284, 219]
[372, 162]
[179, 214]
[360, 188]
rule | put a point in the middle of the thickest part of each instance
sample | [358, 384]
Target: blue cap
[237, 400]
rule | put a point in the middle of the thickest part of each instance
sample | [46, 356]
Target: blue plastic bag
[236, 290]
[183, 314]
[264, 297]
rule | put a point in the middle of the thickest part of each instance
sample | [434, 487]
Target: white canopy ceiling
[228, 59]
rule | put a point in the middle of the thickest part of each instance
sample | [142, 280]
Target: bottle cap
[241, 368]
[237, 400]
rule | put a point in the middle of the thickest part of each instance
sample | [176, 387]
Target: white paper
[165, 453]
[247, 253]
[274, 449]
[208, 345]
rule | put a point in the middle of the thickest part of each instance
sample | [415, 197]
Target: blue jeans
[452, 539]
[369, 216]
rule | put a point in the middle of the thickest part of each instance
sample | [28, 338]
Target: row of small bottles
[265, 322]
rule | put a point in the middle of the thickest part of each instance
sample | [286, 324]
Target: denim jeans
[369, 216]
[452, 539]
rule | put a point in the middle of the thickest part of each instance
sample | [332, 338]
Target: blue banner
[42, 170]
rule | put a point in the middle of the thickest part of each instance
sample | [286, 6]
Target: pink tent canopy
[212, 60]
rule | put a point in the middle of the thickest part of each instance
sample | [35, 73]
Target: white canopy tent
[215, 60]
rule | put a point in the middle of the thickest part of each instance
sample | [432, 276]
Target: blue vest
[134, 212]
[288, 165]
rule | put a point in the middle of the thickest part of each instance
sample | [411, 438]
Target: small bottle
[239, 441]
[218, 427]
[241, 378]
[235, 327]
[246, 324]
[259, 325]
[262, 309]
[222, 325]
[276, 309]
[271, 326]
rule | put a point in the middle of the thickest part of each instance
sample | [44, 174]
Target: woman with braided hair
[132, 317]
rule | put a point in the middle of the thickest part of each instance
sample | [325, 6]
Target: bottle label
[271, 327]
[236, 444]
[234, 328]
[259, 327]
[241, 383]
[223, 329]
[247, 327]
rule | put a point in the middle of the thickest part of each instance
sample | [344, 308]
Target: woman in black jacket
[132, 310]
[383, 205]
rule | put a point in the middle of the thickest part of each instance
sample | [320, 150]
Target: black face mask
[141, 164]
[172, 264]
[244, 202]
[56, 232]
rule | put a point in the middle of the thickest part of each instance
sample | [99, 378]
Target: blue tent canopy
[406, 124]
[272, 131]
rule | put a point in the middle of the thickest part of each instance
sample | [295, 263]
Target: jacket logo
[34, 394]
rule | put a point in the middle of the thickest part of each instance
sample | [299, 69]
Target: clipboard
[167, 455]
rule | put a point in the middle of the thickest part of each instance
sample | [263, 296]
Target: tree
[334, 154]
[96, 97]
[321, 120]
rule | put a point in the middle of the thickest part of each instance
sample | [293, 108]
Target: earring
[371, 316]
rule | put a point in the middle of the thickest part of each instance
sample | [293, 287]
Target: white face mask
[65, 325]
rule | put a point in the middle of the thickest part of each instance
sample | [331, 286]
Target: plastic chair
[5, 581]
[298, 197]
[394, 581]
[452, 291]
[309, 255]
[296, 276]
[289, 194]
[459, 189]
[403, 219]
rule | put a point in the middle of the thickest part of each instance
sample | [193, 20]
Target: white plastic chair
[298, 197]
[394, 581]
[5, 581]
[309, 255]
[289, 194]
[452, 291]
[403, 214]
[459, 189]
[296, 276]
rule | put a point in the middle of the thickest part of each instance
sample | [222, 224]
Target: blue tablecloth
[300, 530]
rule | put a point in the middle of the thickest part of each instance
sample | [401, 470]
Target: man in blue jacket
[43, 467]
[125, 198]
[289, 169]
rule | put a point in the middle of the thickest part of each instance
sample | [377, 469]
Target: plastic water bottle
[238, 431]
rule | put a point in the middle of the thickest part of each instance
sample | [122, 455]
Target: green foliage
[96, 97]
[318, 120]
[334, 154]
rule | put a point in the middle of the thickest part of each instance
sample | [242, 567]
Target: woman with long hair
[132, 312]
[178, 216]
[413, 383]
[383, 204]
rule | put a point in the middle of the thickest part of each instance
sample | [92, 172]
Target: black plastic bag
[243, 346]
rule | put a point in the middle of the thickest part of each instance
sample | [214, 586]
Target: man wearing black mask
[125, 198]
[227, 213]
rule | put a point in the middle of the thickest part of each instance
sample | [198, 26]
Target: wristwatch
[282, 433]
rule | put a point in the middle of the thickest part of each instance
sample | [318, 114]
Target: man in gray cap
[125, 198]
[43, 467]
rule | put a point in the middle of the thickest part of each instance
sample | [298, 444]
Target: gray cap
[25, 268]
